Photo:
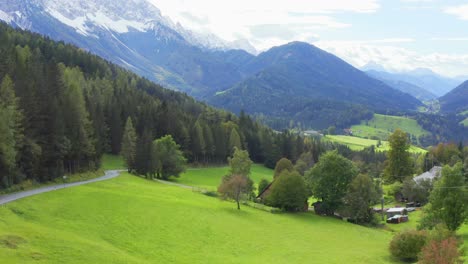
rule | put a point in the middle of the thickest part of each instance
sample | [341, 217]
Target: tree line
[62, 108]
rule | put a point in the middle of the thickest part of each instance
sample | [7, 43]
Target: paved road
[15, 196]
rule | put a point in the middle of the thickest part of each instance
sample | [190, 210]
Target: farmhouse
[434, 173]
[396, 211]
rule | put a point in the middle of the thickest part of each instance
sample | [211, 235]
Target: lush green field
[210, 178]
[132, 220]
[357, 143]
[381, 126]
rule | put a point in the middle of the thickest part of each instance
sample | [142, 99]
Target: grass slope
[210, 178]
[465, 122]
[381, 126]
[357, 143]
[132, 220]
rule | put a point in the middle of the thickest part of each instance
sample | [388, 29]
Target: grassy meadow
[357, 143]
[381, 126]
[209, 178]
[132, 220]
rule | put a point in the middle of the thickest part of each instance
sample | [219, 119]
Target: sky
[400, 35]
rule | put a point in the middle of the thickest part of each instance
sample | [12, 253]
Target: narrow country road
[15, 196]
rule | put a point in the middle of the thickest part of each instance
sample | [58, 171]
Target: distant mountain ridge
[406, 87]
[307, 75]
[426, 79]
[456, 100]
[296, 81]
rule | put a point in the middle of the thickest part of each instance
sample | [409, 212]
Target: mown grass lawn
[132, 220]
[381, 126]
[211, 177]
[357, 143]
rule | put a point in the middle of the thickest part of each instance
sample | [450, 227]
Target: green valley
[130, 220]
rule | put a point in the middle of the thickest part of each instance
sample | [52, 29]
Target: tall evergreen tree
[128, 150]
[234, 140]
[10, 133]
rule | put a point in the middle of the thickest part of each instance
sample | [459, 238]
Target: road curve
[18, 195]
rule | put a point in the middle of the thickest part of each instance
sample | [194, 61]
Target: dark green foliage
[129, 140]
[166, 158]
[304, 163]
[288, 192]
[262, 185]
[448, 202]
[76, 105]
[359, 198]
[10, 133]
[321, 89]
[282, 165]
[399, 164]
[329, 180]
[416, 192]
[240, 162]
[455, 100]
[407, 245]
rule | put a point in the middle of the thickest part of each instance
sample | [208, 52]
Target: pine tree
[234, 140]
[128, 149]
[10, 132]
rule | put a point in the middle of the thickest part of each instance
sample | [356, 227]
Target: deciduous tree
[283, 164]
[288, 191]
[167, 158]
[236, 187]
[399, 164]
[359, 198]
[329, 180]
[449, 199]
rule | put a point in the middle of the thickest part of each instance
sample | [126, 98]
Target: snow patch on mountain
[5, 17]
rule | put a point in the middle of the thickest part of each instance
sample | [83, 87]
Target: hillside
[406, 87]
[357, 143]
[135, 35]
[64, 108]
[456, 100]
[297, 76]
[131, 220]
[381, 126]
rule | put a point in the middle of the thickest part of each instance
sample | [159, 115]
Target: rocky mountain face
[133, 34]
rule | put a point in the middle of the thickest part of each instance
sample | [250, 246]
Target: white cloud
[451, 39]
[252, 20]
[460, 11]
[396, 59]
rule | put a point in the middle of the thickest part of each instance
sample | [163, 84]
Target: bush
[288, 192]
[407, 245]
[262, 185]
[440, 252]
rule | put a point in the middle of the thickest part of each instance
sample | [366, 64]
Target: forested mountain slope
[455, 100]
[304, 83]
[62, 108]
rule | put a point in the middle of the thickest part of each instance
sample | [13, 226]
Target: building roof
[396, 210]
[435, 172]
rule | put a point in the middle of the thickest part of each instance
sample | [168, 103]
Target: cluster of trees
[62, 108]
